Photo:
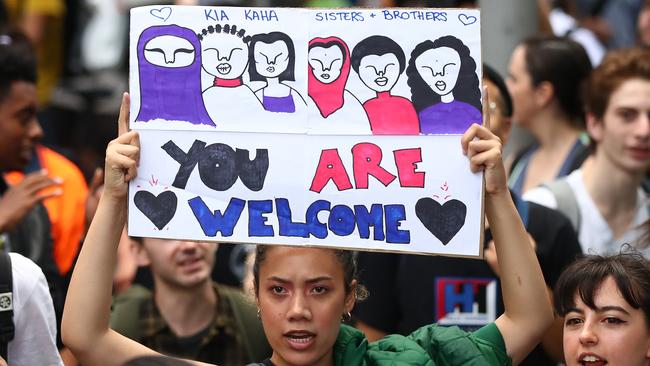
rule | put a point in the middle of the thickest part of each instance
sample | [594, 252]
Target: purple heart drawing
[467, 19]
[162, 13]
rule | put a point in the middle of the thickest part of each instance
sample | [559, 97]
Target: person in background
[545, 78]
[187, 315]
[408, 291]
[604, 199]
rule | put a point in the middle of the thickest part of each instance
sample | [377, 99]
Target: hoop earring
[259, 316]
[346, 317]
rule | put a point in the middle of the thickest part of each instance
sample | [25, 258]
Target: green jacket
[430, 345]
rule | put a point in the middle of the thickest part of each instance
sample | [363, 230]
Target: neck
[326, 360]
[553, 129]
[447, 98]
[227, 83]
[272, 81]
[613, 190]
[187, 311]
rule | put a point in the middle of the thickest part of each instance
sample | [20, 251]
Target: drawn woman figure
[169, 69]
[329, 67]
[380, 61]
[225, 56]
[272, 58]
[444, 86]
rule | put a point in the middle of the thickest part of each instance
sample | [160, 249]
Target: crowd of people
[565, 276]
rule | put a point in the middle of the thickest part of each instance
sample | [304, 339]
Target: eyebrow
[600, 310]
[311, 280]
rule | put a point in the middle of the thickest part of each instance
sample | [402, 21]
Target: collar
[227, 83]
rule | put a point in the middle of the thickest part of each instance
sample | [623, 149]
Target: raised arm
[528, 311]
[85, 327]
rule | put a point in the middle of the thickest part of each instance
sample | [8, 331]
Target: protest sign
[337, 128]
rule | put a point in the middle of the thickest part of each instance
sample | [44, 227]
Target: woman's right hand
[122, 156]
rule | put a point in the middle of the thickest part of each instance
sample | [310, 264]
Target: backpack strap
[566, 201]
[6, 304]
[249, 326]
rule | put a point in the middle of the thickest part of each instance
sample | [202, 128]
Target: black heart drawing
[159, 209]
[443, 221]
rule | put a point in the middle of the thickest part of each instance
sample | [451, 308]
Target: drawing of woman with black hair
[272, 59]
[444, 86]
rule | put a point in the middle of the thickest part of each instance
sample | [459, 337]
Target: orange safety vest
[67, 212]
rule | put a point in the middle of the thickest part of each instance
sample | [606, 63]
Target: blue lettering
[317, 228]
[464, 298]
[211, 223]
[341, 220]
[395, 214]
[288, 227]
[265, 15]
[224, 16]
[319, 16]
[256, 220]
[387, 15]
[366, 219]
[210, 14]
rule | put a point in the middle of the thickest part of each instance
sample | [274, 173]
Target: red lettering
[366, 158]
[405, 161]
[330, 167]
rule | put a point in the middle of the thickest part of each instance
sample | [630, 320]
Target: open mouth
[325, 76]
[270, 69]
[441, 85]
[223, 68]
[591, 360]
[381, 81]
[300, 340]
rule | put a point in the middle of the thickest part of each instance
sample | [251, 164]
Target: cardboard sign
[337, 128]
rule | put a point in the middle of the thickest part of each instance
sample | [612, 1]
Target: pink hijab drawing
[329, 67]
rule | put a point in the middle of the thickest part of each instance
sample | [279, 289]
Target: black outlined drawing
[169, 70]
[328, 71]
[379, 61]
[444, 86]
[225, 57]
[272, 58]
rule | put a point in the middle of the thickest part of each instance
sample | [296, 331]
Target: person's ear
[595, 127]
[505, 129]
[141, 256]
[544, 93]
[350, 297]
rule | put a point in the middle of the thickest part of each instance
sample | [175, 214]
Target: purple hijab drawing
[169, 65]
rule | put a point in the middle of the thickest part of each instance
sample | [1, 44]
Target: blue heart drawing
[162, 13]
[467, 19]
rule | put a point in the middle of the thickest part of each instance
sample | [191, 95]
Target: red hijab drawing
[328, 96]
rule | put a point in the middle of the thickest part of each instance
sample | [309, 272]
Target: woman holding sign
[304, 293]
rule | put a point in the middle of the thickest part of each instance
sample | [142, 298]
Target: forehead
[276, 46]
[379, 59]
[21, 94]
[332, 51]
[222, 41]
[440, 54]
[169, 42]
[606, 294]
[632, 93]
[297, 263]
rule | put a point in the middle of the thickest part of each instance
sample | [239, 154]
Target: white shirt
[595, 235]
[34, 340]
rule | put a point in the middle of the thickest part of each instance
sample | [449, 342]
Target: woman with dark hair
[444, 86]
[545, 80]
[328, 70]
[605, 302]
[304, 293]
[272, 58]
